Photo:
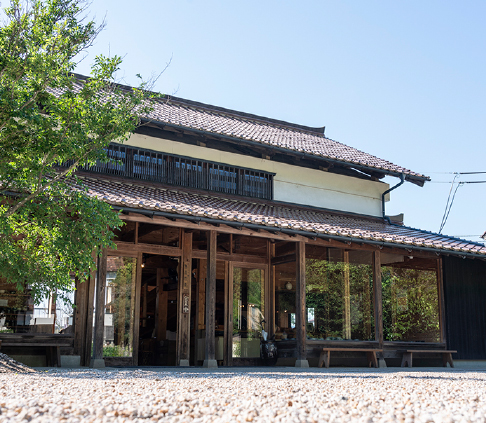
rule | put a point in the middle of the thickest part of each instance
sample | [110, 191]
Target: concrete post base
[210, 364]
[70, 361]
[301, 363]
[97, 363]
[382, 363]
[184, 363]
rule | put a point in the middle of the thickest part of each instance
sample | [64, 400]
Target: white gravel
[235, 395]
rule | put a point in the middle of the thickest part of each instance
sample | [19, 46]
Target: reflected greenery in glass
[339, 299]
[410, 305]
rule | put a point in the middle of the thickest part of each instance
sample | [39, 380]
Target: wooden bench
[407, 359]
[370, 355]
[51, 342]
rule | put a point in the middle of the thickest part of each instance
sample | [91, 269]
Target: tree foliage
[50, 117]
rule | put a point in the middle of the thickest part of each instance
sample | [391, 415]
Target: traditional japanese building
[232, 219]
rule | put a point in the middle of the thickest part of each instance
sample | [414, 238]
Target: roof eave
[415, 179]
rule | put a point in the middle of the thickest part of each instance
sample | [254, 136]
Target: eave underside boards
[266, 219]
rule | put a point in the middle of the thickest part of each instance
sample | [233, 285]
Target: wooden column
[136, 319]
[184, 302]
[210, 350]
[377, 287]
[440, 297]
[270, 302]
[347, 298]
[300, 305]
[97, 359]
[80, 312]
[88, 339]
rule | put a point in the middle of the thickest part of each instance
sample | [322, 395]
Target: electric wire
[449, 205]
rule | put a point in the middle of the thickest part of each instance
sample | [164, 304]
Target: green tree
[49, 117]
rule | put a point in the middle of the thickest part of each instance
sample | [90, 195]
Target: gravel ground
[236, 395]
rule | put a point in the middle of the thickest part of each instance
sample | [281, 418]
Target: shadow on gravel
[160, 374]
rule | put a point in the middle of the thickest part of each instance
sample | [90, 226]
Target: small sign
[185, 303]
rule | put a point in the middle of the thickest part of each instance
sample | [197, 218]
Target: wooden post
[136, 323]
[210, 350]
[88, 339]
[300, 305]
[228, 312]
[377, 287]
[440, 295]
[184, 302]
[80, 313]
[347, 298]
[270, 302]
[97, 359]
[132, 306]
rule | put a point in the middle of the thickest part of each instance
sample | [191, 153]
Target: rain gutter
[402, 180]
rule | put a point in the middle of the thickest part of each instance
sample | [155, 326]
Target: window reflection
[410, 299]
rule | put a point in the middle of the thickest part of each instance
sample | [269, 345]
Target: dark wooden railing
[176, 170]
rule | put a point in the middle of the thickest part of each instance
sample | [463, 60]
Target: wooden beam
[184, 302]
[241, 258]
[210, 351]
[377, 288]
[201, 225]
[100, 308]
[289, 258]
[129, 249]
[300, 305]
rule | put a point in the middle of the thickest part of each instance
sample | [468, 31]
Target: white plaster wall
[292, 184]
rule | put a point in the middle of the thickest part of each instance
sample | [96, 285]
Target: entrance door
[246, 312]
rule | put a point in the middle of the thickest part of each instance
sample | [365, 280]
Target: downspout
[402, 180]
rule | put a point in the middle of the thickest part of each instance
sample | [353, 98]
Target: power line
[449, 202]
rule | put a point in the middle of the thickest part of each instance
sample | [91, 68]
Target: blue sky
[401, 80]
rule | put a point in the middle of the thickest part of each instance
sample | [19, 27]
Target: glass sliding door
[247, 311]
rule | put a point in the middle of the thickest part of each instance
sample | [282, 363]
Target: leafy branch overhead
[48, 117]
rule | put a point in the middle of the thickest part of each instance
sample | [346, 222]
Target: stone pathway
[234, 395]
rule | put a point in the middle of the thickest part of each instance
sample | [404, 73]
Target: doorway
[158, 310]
[248, 308]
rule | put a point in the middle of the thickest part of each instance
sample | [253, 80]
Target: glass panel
[248, 311]
[410, 299]
[119, 307]
[20, 314]
[285, 301]
[339, 294]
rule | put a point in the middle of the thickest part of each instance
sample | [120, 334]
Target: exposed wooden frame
[184, 303]
[136, 325]
[99, 326]
[228, 316]
[268, 233]
[300, 304]
[88, 339]
[210, 350]
[377, 290]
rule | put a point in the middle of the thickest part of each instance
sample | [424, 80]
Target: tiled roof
[191, 115]
[154, 198]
